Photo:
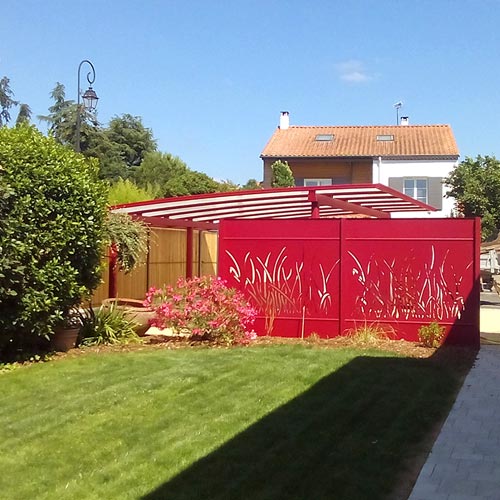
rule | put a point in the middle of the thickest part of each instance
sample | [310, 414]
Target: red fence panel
[329, 276]
[289, 270]
[405, 273]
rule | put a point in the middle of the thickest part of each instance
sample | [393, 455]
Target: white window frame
[414, 190]
[317, 182]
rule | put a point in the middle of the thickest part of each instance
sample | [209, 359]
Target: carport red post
[113, 271]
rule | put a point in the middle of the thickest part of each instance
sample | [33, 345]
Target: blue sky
[210, 78]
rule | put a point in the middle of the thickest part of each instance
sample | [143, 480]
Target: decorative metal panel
[331, 277]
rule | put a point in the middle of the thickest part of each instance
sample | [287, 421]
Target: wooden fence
[165, 263]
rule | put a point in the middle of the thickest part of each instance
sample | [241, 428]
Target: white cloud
[352, 71]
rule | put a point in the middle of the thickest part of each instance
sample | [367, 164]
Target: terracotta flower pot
[133, 310]
[65, 338]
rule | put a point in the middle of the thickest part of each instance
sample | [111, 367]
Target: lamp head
[90, 99]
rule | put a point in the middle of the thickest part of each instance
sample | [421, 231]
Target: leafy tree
[226, 186]
[159, 168]
[111, 165]
[190, 182]
[132, 139]
[281, 175]
[6, 100]
[120, 147]
[24, 115]
[251, 184]
[475, 184]
[126, 191]
[51, 233]
[172, 176]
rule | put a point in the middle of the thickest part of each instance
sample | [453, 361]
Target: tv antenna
[398, 105]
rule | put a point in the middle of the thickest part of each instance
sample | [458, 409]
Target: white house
[413, 159]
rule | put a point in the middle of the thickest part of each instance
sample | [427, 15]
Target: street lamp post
[89, 100]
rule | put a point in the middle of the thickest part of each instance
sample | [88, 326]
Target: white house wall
[385, 169]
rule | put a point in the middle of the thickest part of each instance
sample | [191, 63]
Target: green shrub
[281, 175]
[52, 209]
[431, 335]
[107, 325]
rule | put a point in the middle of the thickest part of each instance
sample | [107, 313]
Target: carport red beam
[322, 199]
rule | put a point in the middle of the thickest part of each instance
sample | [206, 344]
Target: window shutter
[397, 183]
[299, 181]
[435, 192]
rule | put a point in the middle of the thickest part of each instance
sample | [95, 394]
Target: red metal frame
[207, 210]
[333, 276]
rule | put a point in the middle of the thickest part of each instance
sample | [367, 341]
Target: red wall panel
[329, 276]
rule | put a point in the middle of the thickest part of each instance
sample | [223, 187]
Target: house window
[324, 137]
[317, 182]
[416, 188]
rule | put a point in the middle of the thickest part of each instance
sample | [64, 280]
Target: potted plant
[66, 333]
[134, 310]
[129, 240]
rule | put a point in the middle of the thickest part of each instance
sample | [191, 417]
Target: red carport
[328, 276]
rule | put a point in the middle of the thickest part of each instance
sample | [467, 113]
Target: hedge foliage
[52, 211]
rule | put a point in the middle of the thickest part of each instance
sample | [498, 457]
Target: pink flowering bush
[205, 308]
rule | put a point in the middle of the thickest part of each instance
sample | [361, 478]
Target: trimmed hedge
[52, 210]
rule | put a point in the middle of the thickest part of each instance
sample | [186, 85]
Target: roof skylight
[324, 137]
[385, 137]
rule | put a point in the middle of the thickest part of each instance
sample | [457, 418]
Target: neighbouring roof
[205, 211]
[415, 141]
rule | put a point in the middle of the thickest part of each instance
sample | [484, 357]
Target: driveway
[490, 317]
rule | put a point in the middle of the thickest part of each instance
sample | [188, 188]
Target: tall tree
[475, 184]
[24, 115]
[132, 139]
[62, 116]
[6, 100]
[62, 120]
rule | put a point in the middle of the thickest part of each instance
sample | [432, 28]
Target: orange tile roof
[361, 141]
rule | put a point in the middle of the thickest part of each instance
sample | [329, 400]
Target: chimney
[405, 120]
[284, 120]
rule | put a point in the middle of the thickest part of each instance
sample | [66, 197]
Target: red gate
[329, 276]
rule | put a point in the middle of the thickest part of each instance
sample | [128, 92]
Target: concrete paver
[465, 460]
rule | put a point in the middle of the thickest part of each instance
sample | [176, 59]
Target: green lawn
[266, 422]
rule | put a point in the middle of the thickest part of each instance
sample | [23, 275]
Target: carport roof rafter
[207, 210]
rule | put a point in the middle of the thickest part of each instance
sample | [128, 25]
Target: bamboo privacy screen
[166, 262]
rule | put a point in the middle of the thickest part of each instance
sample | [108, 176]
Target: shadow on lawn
[341, 439]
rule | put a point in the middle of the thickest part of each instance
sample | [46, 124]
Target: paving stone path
[464, 463]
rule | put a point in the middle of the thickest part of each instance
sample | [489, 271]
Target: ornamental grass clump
[205, 308]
